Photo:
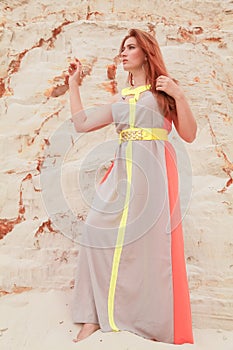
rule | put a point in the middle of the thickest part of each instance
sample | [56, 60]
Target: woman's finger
[73, 67]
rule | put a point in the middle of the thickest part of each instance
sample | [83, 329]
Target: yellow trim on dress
[121, 231]
[120, 239]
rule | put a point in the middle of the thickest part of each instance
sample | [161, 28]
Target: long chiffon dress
[131, 272]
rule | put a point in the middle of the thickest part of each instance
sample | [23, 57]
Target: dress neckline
[138, 89]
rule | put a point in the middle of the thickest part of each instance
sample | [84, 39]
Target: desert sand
[43, 203]
[41, 320]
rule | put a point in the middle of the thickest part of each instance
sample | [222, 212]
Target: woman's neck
[139, 79]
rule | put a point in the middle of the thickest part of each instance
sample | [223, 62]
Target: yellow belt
[137, 134]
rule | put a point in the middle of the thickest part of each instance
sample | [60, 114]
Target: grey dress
[131, 271]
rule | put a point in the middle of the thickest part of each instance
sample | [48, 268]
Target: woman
[132, 273]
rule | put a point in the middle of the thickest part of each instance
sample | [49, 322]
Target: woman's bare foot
[153, 339]
[86, 330]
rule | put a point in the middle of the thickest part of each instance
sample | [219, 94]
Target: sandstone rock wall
[41, 155]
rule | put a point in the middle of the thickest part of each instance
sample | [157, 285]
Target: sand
[37, 320]
[38, 40]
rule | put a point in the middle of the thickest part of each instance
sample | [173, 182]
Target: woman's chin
[125, 67]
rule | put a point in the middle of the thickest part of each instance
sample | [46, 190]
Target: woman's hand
[167, 84]
[75, 72]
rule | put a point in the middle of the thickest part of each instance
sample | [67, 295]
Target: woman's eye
[129, 48]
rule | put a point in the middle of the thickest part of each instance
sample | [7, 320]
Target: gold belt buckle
[133, 135]
[137, 134]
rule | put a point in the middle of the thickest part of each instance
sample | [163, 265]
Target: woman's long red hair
[154, 67]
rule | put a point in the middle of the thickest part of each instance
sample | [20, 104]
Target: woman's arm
[183, 120]
[101, 117]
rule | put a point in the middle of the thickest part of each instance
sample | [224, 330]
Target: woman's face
[132, 56]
